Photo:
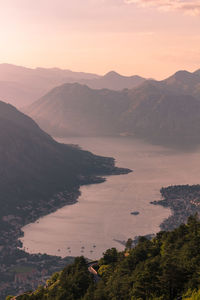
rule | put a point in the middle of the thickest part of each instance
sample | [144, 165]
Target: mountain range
[113, 81]
[21, 86]
[165, 112]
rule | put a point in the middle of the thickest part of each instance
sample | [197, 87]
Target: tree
[129, 244]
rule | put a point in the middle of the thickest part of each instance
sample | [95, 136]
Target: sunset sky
[152, 38]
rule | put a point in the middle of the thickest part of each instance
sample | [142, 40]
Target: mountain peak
[197, 72]
[112, 74]
[183, 76]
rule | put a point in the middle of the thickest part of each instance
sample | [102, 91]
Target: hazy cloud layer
[191, 7]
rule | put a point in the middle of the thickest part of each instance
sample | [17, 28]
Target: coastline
[183, 200]
[42, 265]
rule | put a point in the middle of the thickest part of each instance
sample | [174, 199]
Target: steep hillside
[34, 166]
[38, 176]
[151, 111]
[166, 267]
[78, 110]
[183, 82]
[161, 116]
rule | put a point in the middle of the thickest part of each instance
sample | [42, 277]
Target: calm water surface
[102, 216]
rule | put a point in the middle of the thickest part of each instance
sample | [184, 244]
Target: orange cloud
[191, 7]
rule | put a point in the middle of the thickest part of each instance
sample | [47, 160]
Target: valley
[38, 175]
[57, 210]
[100, 150]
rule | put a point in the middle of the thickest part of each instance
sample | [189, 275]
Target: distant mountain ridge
[114, 81]
[13, 70]
[166, 112]
[21, 86]
[183, 82]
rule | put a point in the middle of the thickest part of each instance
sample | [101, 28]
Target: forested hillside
[166, 267]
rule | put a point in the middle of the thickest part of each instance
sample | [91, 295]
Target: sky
[151, 38]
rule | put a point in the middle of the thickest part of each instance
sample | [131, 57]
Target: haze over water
[102, 214]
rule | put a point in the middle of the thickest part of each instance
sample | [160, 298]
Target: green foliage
[72, 283]
[129, 244]
[164, 268]
[110, 257]
[192, 295]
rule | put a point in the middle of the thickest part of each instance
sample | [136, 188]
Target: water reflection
[102, 217]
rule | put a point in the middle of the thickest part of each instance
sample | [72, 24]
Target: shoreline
[180, 199]
[41, 265]
[183, 200]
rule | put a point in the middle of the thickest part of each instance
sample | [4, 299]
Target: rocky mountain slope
[165, 112]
